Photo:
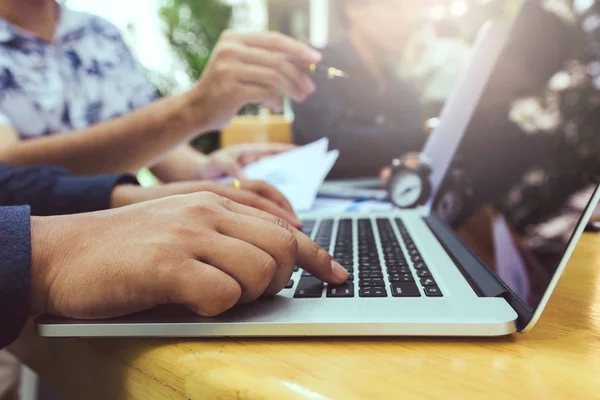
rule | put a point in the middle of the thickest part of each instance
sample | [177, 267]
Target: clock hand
[408, 190]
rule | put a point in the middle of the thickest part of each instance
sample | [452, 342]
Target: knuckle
[269, 267]
[321, 255]
[208, 204]
[282, 223]
[227, 295]
[225, 203]
[288, 241]
[227, 34]
[278, 37]
[221, 69]
[226, 50]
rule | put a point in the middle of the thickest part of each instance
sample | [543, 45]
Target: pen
[331, 72]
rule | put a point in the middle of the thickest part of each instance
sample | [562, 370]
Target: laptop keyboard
[374, 271]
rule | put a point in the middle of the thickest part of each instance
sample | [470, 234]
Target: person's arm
[127, 143]
[182, 164]
[15, 271]
[53, 191]
[244, 68]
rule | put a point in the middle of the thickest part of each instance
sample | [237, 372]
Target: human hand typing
[200, 250]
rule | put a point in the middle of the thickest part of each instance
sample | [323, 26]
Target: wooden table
[559, 359]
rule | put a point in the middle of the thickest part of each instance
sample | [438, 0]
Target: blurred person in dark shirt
[374, 115]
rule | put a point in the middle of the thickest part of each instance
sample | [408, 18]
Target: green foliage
[193, 28]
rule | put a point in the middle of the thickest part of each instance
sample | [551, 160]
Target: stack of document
[298, 174]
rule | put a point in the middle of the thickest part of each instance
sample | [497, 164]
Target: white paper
[298, 173]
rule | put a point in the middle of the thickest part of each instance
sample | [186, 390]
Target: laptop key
[423, 273]
[370, 282]
[296, 268]
[420, 265]
[433, 291]
[372, 292]
[343, 290]
[350, 277]
[306, 274]
[401, 278]
[398, 270]
[370, 275]
[405, 289]
[290, 284]
[309, 287]
[428, 282]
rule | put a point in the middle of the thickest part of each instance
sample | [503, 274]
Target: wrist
[42, 249]
[194, 110]
[124, 195]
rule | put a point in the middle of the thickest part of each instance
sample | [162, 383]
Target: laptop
[481, 260]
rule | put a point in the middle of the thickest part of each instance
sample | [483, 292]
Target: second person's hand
[251, 68]
[257, 194]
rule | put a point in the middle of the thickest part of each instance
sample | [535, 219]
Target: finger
[270, 78]
[261, 263]
[204, 289]
[310, 256]
[269, 192]
[385, 175]
[281, 43]
[281, 63]
[252, 94]
[252, 199]
[233, 168]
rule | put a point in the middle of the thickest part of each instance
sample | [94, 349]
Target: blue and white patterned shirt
[85, 76]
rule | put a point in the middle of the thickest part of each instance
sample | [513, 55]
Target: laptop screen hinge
[483, 281]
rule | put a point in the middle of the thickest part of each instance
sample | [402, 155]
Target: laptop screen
[520, 180]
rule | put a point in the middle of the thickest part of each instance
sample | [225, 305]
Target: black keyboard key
[350, 277]
[372, 292]
[420, 265]
[423, 273]
[309, 287]
[405, 289]
[296, 268]
[343, 290]
[370, 275]
[373, 268]
[416, 259]
[370, 282]
[308, 226]
[396, 264]
[428, 282]
[306, 274]
[433, 291]
[290, 284]
[397, 270]
[401, 278]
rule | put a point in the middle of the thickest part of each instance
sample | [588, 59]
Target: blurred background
[173, 38]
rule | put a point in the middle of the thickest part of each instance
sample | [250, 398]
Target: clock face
[406, 188]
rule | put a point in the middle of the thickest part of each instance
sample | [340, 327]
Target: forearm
[181, 164]
[125, 144]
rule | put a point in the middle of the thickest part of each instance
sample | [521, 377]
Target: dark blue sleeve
[52, 191]
[15, 271]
